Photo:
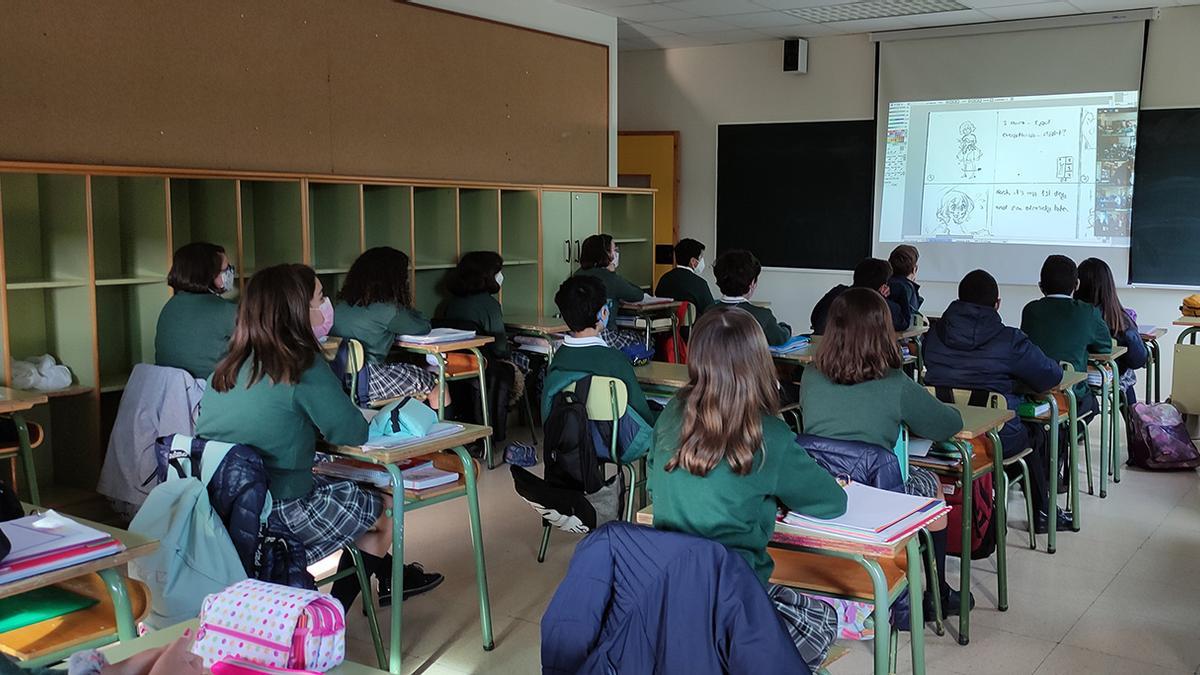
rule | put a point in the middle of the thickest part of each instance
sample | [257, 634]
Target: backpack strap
[583, 387]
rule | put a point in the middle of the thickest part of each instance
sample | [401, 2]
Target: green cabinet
[567, 219]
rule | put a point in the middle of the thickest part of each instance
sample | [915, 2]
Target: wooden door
[651, 159]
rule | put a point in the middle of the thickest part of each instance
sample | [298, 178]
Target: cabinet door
[585, 221]
[557, 247]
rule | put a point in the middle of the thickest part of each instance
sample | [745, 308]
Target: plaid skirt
[393, 380]
[329, 518]
[813, 624]
[922, 483]
[619, 338]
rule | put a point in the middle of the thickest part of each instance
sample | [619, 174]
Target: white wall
[694, 89]
[553, 17]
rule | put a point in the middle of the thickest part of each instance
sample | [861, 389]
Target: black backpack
[570, 455]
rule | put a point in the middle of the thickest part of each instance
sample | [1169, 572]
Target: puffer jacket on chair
[862, 462]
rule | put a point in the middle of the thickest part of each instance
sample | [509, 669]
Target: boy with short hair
[971, 348]
[1064, 328]
[903, 284]
[583, 304]
[871, 273]
[684, 283]
[737, 276]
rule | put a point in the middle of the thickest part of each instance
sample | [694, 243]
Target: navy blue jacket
[640, 600]
[906, 291]
[901, 312]
[971, 348]
[862, 462]
[1130, 339]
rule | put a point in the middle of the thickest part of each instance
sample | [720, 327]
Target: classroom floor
[1121, 596]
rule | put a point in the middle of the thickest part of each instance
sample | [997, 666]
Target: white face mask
[700, 267]
[616, 260]
[228, 279]
[499, 278]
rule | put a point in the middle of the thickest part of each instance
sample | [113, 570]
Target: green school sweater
[617, 288]
[776, 331]
[482, 310]
[282, 421]
[686, 286]
[597, 360]
[739, 511]
[1068, 330]
[376, 326]
[872, 411]
[193, 332]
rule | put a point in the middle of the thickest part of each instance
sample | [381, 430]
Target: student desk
[658, 375]
[1153, 362]
[805, 356]
[914, 337]
[388, 458]
[1191, 326]
[834, 566]
[1110, 416]
[544, 327]
[15, 403]
[1066, 390]
[55, 639]
[165, 636]
[439, 351]
[649, 311]
[978, 422]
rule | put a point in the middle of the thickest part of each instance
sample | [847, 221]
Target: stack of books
[47, 542]
[421, 477]
[793, 345]
[438, 336]
[873, 517]
[640, 323]
[536, 345]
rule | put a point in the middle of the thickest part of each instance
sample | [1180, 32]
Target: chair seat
[1008, 461]
[830, 575]
[36, 436]
[63, 633]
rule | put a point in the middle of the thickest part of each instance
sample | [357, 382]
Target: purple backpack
[1158, 438]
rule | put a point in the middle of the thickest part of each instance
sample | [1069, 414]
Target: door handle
[567, 251]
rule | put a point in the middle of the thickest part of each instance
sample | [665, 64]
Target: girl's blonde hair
[732, 384]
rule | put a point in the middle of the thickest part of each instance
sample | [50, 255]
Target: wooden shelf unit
[86, 251]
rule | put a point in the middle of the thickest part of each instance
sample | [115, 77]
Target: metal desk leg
[1052, 498]
[1000, 503]
[1157, 373]
[126, 630]
[485, 605]
[397, 514]
[964, 575]
[1115, 425]
[488, 447]
[675, 336]
[441, 366]
[881, 611]
[916, 603]
[26, 454]
[1073, 458]
[1104, 435]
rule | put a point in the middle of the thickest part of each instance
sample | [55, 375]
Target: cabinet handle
[576, 250]
[567, 251]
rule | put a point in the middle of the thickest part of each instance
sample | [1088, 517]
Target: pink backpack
[1158, 438]
[273, 625]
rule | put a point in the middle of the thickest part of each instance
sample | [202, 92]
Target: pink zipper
[286, 649]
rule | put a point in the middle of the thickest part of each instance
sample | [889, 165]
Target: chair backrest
[963, 397]
[353, 359]
[608, 398]
[919, 320]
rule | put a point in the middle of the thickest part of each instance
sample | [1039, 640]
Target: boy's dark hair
[904, 260]
[1059, 276]
[687, 249]
[579, 300]
[475, 273]
[979, 288]
[871, 273]
[380, 274]
[195, 266]
[595, 251]
[735, 271]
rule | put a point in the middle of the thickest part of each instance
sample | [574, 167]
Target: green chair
[29, 436]
[364, 587]
[608, 398]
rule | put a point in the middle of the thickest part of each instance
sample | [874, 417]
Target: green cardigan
[484, 312]
[776, 331]
[1068, 330]
[376, 326]
[193, 332]
[686, 286]
[739, 511]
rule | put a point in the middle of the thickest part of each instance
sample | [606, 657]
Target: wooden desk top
[17, 400]
[915, 331]
[1154, 334]
[1117, 352]
[802, 357]
[977, 420]
[1068, 381]
[445, 347]
[136, 546]
[158, 638]
[537, 324]
[649, 307]
[657, 373]
[1189, 321]
[470, 433]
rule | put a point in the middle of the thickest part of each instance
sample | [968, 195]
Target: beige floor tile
[991, 651]
[1033, 615]
[1107, 629]
[1135, 598]
[1069, 660]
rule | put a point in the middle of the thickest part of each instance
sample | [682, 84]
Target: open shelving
[126, 318]
[519, 227]
[387, 216]
[335, 225]
[479, 220]
[46, 239]
[625, 216]
[205, 209]
[435, 226]
[129, 226]
[272, 224]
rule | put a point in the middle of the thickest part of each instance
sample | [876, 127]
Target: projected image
[1032, 169]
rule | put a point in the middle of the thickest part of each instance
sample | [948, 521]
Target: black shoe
[416, 581]
[345, 590]
[1042, 522]
[950, 601]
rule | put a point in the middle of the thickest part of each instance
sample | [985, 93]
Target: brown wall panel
[356, 87]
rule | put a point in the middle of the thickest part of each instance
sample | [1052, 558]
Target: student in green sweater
[723, 461]
[374, 306]
[599, 258]
[582, 304]
[856, 391]
[737, 276]
[1064, 328]
[195, 325]
[684, 283]
[274, 392]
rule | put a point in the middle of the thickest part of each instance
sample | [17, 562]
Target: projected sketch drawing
[969, 153]
[1066, 168]
[1087, 130]
[958, 214]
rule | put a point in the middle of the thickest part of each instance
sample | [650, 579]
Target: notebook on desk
[438, 336]
[873, 515]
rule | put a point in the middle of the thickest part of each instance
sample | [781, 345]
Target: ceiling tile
[1107, 5]
[736, 35]
[799, 4]
[868, 25]
[948, 18]
[1033, 11]
[760, 20]
[627, 29]
[985, 4]
[602, 5]
[713, 7]
[804, 30]
[648, 12]
[676, 41]
[636, 44]
[689, 26]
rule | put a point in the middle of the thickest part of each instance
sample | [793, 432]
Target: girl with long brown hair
[722, 461]
[856, 391]
[274, 392]
[1096, 286]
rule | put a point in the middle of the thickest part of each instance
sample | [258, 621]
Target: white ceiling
[666, 24]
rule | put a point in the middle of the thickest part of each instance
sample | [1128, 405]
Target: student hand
[178, 659]
[843, 480]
